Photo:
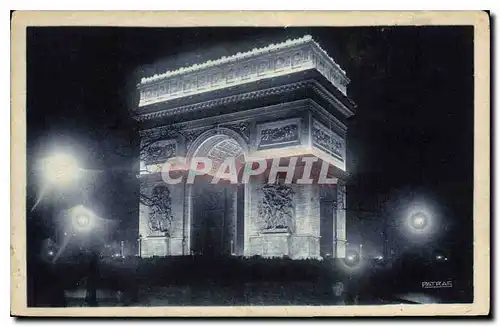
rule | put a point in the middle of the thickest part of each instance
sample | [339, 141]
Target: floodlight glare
[60, 169]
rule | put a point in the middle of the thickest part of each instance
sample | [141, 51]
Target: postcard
[250, 164]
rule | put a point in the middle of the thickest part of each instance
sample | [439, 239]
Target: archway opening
[217, 222]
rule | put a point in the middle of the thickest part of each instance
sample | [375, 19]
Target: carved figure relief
[158, 152]
[280, 134]
[327, 141]
[243, 128]
[160, 213]
[276, 210]
[190, 136]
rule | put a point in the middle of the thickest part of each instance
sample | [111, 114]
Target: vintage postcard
[250, 163]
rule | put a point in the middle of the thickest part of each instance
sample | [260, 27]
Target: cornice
[238, 56]
[259, 64]
[314, 85]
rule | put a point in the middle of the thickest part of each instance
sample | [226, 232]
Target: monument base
[155, 246]
[281, 243]
[305, 247]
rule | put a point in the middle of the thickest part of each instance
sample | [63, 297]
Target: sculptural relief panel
[280, 133]
[158, 152]
[277, 207]
[328, 141]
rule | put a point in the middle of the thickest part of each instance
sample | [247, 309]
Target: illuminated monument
[282, 101]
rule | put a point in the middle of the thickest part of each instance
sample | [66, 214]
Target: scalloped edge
[238, 56]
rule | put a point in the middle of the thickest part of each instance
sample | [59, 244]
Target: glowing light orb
[60, 169]
[352, 259]
[83, 219]
[440, 257]
[419, 220]
[351, 263]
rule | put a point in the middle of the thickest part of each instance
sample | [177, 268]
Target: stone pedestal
[275, 243]
[304, 247]
[305, 240]
[155, 246]
[282, 243]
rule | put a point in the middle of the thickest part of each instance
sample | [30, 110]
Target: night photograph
[249, 166]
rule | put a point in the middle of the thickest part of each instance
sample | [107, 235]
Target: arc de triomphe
[283, 101]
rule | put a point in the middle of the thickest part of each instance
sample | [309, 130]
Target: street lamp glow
[83, 219]
[351, 263]
[60, 169]
[352, 259]
[418, 220]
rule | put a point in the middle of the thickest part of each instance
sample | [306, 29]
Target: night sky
[413, 130]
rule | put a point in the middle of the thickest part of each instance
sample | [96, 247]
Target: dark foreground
[92, 281]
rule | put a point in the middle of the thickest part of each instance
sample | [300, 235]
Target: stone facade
[283, 101]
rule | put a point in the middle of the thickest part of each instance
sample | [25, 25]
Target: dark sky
[413, 86]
